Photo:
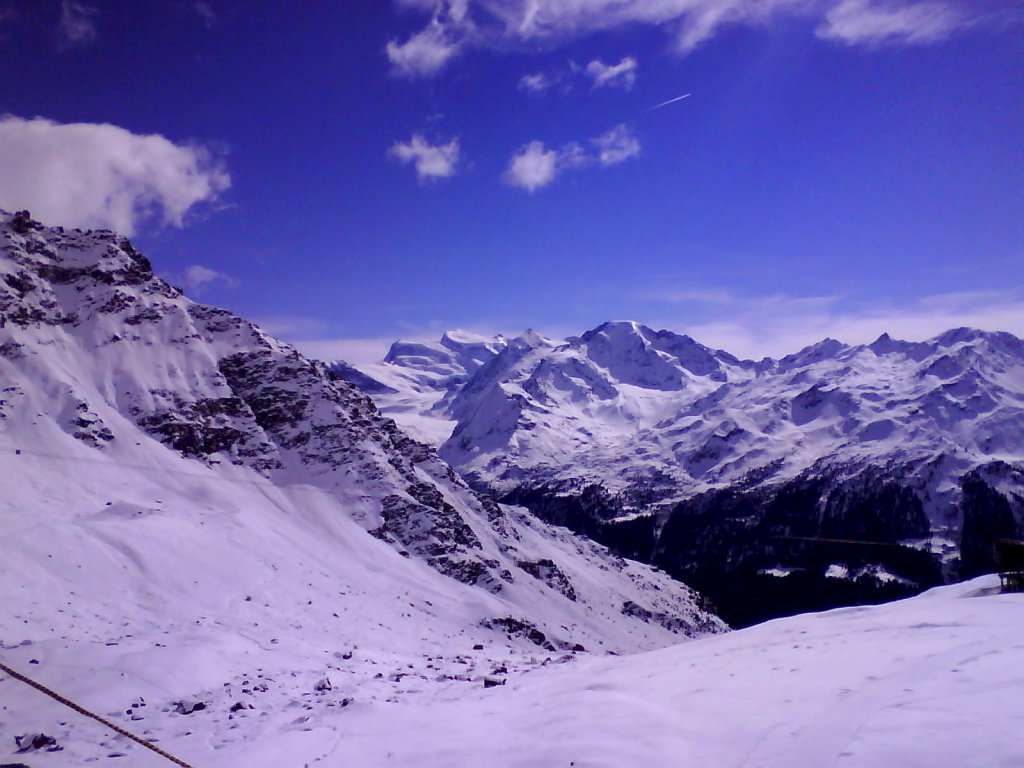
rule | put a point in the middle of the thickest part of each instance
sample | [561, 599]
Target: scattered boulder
[323, 684]
[34, 742]
[188, 706]
[22, 223]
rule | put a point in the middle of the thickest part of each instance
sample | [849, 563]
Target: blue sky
[352, 171]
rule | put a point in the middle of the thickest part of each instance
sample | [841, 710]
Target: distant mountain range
[836, 474]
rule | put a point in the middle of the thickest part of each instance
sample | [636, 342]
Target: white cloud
[534, 166]
[455, 26]
[616, 146]
[536, 83]
[778, 325]
[621, 75]
[871, 22]
[600, 75]
[198, 278]
[432, 161]
[76, 26]
[100, 175]
[426, 52]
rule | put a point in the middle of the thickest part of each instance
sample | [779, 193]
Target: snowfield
[931, 681]
[934, 681]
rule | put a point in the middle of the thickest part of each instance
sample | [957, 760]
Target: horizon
[365, 351]
[757, 177]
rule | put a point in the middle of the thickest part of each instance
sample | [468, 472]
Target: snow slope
[192, 511]
[934, 681]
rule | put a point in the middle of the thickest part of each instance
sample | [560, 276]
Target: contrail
[670, 101]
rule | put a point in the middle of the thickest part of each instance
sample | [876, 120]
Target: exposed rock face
[547, 571]
[90, 336]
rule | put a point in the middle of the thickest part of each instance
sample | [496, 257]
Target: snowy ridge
[631, 399]
[194, 511]
[629, 434]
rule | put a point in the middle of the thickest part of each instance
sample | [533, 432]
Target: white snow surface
[186, 516]
[934, 681]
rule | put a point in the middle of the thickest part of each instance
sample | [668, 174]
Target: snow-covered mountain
[417, 380]
[709, 465]
[192, 510]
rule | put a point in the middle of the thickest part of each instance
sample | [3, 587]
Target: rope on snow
[98, 718]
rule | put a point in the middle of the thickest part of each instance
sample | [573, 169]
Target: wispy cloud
[621, 75]
[431, 161]
[427, 52]
[779, 324]
[198, 279]
[616, 146]
[863, 22]
[535, 166]
[535, 83]
[565, 78]
[100, 175]
[76, 26]
[457, 25]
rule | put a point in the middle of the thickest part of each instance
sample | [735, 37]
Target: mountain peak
[457, 338]
[886, 344]
[961, 335]
[813, 353]
[529, 339]
[619, 330]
